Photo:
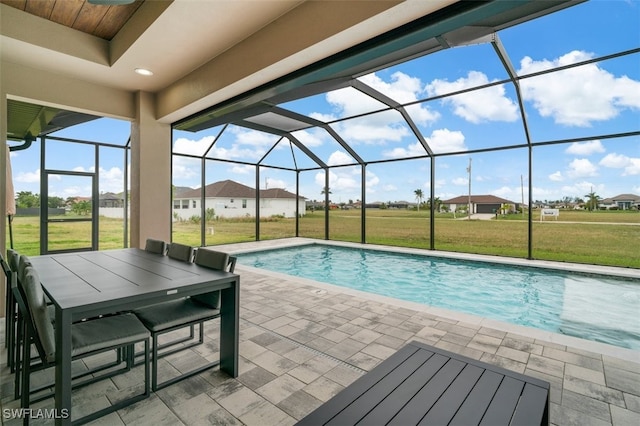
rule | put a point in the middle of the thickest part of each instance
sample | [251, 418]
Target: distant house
[479, 203]
[231, 199]
[621, 202]
[109, 199]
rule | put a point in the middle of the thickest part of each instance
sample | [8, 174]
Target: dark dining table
[87, 284]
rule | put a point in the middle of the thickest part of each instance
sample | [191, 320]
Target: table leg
[230, 328]
[63, 367]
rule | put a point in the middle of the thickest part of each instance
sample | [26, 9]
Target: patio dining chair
[10, 318]
[179, 252]
[177, 314]
[16, 263]
[155, 246]
[88, 338]
[24, 265]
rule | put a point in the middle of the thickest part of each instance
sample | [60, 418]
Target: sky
[585, 102]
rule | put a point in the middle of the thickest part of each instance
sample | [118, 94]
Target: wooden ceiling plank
[18, 4]
[41, 8]
[114, 20]
[89, 17]
[65, 12]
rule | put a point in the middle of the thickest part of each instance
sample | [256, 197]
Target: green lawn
[600, 238]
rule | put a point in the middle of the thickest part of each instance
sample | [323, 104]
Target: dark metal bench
[421, 384]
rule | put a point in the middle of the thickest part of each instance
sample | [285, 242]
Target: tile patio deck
[301, 342]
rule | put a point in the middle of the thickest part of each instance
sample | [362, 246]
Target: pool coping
[530, 332]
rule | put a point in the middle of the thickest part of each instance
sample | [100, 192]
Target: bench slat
[445, 408]
[473, 408]
[532, 405]
[339, 402]
[503, 403]
[413, 412]
[368, 400]
[387, 408]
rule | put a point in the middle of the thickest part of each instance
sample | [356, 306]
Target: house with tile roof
[479, 203]
[622, 202]
[230, 199]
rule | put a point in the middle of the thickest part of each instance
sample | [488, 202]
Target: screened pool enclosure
[377, 140]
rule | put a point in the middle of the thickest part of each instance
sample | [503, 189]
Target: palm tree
[419, 196]
[592, 200]
[437, 202]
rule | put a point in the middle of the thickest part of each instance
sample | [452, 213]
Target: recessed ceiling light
[143, 71]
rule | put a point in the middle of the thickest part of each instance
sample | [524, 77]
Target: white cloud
[413, 150]
[489, 104]
[542, 193]
[242, 169]
[445, 140]
[403, 89]
[585, 148]
[460, 181]
[580, 189]
[577, 96]
[372, 179]
[349, 101]
[276, 183]
[581, 167]
[309, 138]
[338, 158]
[30, 177]
[630, 165]
[556, 177]
[323, 117]
[239, 144]
[185, 168]
[511, 194]
[375, 129]
[111, 180]
[441, 140]
[340, 181]
[192, 147]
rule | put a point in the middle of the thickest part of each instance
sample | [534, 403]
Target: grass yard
[600, 238]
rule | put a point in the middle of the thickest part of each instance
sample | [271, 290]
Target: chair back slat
[156, 246]
[38, 312]
[180, 252]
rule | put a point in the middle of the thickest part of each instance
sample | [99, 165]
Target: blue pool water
[593, 307]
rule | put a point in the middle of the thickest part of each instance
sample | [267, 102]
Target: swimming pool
[594, 307]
